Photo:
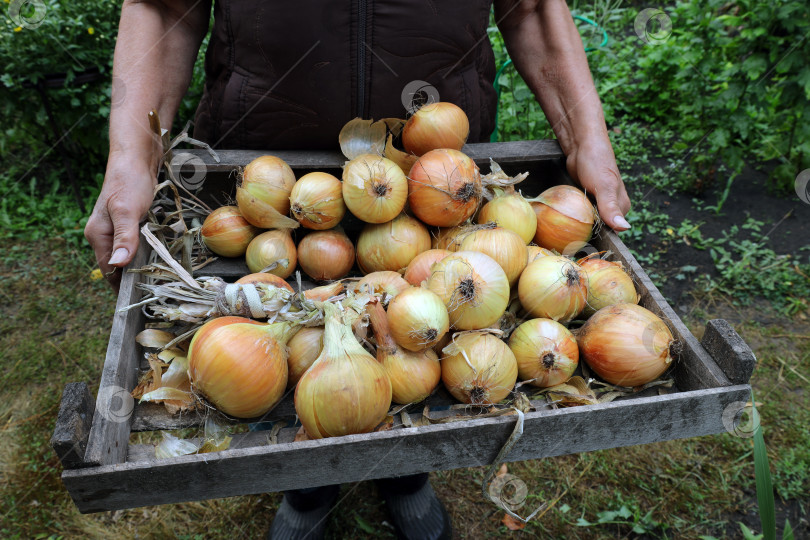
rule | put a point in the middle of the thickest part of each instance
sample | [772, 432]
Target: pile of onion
[226, 232]
[537, 251]
[479, 368]
[436, 125]
[326, 255]
[316, 201]
[386, 283]
[503, 245]
[511, 211]
[449, 238]
[268, 279]
[304, 348]
[608, 284]
[553, 287]
[626, 345]
[546, 352]
[391, 246]
[444, 187]
[273, 252]
[419, 268]
[374, 188]
[417, 318]
[565, 219]
[263, 194]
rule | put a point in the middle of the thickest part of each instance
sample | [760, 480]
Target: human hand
[593, 165]
[112, 229]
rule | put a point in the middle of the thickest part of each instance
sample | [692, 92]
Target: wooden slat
[69, 439]
[696, 368]
[109, 435]
[731, 352]
[407, 451]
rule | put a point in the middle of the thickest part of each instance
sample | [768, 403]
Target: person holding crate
[290, 78]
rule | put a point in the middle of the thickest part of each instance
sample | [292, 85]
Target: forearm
[154, 57]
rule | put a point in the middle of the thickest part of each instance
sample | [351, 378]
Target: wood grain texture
[109, 434]
[69, 439]
[732, 354]
[472, 443]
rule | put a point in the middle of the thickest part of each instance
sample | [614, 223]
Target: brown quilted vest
[291, 75]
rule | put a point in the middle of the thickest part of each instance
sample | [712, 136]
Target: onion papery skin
[536, 252]
[553, 287]
[385, 282]
[473, 287]
[241, 368]
[546, 352]
[436, 125]
[444, 188]
[418, 319]
[226, 232]
[565, 219]
[391, 246]
[503, 245]
[374, 188]
[608, 284]
[326, 255]
[346, 390]
[316, 201]
[304, 348]
[419, 268]
[495, 369]
[267, 182]
[626, 345]
[264, 277]
[511, 211]
[449, 238]
[270, 247]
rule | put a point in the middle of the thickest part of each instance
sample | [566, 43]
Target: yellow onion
[316, 201]
[226, 232]
[565, 219]
[449, 238]
[546, 352]
[325, 292]
[241, 368]
[503, 245]
[608, 284]
[537, 251]
[345, 390]
[263, 194]
[553, 287]
[418, 318]
[305, 347]
[273, 252]
[264, 277]
[387, 283]
[326, 255]
[473, 287]
[436, 125]
[413, 374]
[374, 188]
[391, 246]
[479, 368]
[510, 211]
[419, 268]
[444, 187]
[626, 345]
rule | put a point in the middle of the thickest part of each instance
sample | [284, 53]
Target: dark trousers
[304, 500]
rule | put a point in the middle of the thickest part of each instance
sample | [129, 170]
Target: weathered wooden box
[104, 471]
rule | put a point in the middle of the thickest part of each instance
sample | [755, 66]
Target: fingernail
[621, 222]
[119, 256]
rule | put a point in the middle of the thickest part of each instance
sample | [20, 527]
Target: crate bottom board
[469, 443]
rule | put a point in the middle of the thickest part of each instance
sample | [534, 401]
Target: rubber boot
[303, 514]
[415, 510]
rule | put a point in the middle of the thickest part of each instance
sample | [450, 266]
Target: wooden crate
[104, 471]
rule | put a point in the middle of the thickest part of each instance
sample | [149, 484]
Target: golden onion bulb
[608, 284]
[553, 287]
[503, 245]
[565, 219]
[391, 246]
[493, 373]
[304, 348]
[263, 194]
[444, 188]
[316, 201]
[374, 188]
[510, 211]
[546, 352]
[417, 318]
[226, 232]
[272, 252]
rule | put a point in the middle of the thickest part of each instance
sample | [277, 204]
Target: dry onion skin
[265, 278]
[503, 245]
[385, 283]
[417, 318]
[473, 287]
[241, 368]
[565, 219]
[274, 251]
[419, 268]
[316, 201]
[510, 211]
[345, 390]
[626, 345]
[449, 238]
[553, 287]
[536, 252]
[546, 352]
[436, 125]
[608, 284]
[374, 188]
[391, 246]
[304, 348]
[479, 368]
[263, 195]
[326, 255]
[226, 232]
[444, 188]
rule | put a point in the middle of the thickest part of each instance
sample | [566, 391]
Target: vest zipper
[361, 60]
